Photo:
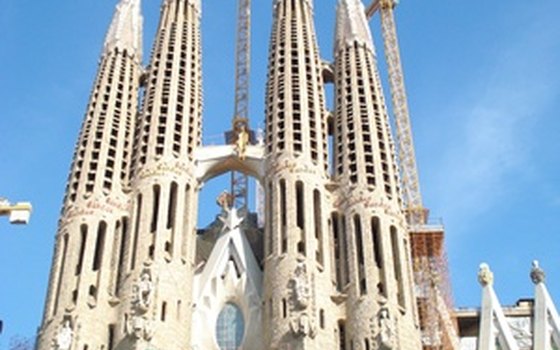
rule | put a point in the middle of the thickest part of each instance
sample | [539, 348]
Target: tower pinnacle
[125, 31]
[352, 25]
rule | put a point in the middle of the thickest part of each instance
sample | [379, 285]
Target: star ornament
[231, 220]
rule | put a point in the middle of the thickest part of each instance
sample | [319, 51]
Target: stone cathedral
[329, 269]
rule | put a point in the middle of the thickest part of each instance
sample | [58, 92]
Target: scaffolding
[433, 289]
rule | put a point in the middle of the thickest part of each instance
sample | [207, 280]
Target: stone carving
[64, 337]
[485, 276]
[521, 329]
[242, 142]
[300, 287]
[387, 328]
[142, 292]
[140, 328]
[537, 274]
[301, 323]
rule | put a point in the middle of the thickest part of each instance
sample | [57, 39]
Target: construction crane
[416, 213]
[240, 132]
[429, 259]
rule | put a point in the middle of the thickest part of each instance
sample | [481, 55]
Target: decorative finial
[485, 276]
[537, 274]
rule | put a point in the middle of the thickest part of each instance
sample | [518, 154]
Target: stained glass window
[230, 328]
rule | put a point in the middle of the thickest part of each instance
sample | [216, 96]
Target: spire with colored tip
[125, 32]
[352, 25]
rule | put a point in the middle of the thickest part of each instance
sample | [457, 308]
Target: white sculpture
[64, 337]
[142, 291]
[485, 275]
[300, 287]
[386, 329]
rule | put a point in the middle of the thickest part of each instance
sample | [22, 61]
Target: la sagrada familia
[331, 267]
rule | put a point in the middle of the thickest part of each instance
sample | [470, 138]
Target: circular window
[230, 327]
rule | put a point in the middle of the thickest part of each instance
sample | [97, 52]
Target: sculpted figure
[300, 286]
[387, 329]
[303, 325]
[64, 337]
[139, 328]
[143, 292]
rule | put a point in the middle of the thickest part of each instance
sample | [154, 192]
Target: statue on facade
[387, 333]
[142, 292]
[64, 337]
[139, 327]
[302, 322]
[300, 287]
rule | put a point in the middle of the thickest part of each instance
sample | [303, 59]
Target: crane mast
[240, 123]
[416, 214]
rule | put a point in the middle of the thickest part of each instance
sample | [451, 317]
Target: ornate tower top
[126, 29]
[352, 25]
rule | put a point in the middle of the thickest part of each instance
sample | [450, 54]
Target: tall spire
[125, 31]
[352, 25]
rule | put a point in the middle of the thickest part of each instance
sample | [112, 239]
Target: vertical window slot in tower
[171, 211]
[397, 265]
[360, 254]
[318, 225]
[120, 263]
[60, 273]
[99, 244]
[136, 231]
[283, 214]
[155, 212]
[341, 335]
[83, 239]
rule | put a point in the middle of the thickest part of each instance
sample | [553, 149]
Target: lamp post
[18, 213]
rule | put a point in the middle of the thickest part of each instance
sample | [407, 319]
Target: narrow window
[341, 335]
[322, 318]
[163, 311]
[377, 249]
[171, 211]
[156, 194]
[60, 273]
[136, 231]
[179, 309]
[397, 265]
[186, 224]
[284, 308]
[111, 337]
[120, 263]
[83, 239]
[300, 205]
[98, 254]
[344, 251]
[318, 225]
[283, 214]
[269, 211]
[360, 254]
[337, 246]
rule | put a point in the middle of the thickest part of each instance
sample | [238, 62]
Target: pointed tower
[157, 290]
[297, 280]
[84, 277]
[373, 260]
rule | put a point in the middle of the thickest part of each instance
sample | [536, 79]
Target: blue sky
[483, 81]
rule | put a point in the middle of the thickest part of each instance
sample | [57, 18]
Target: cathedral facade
[330, 268]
